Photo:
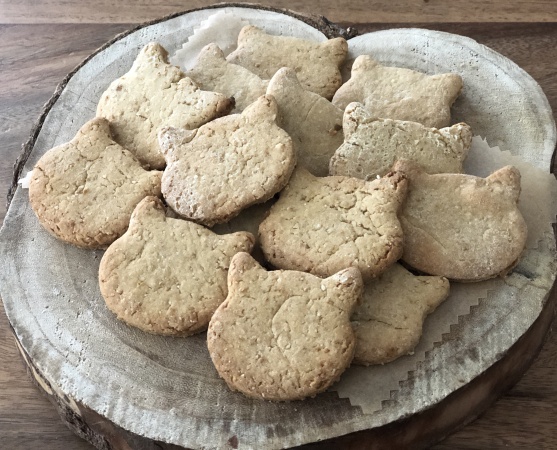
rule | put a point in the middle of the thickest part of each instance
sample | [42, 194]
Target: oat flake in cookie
[323, 225]
[225, 166]
[167, 276]
[283, 335]
[462, 227]
[152, 94]
[84, 191]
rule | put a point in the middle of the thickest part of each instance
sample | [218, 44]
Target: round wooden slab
[121, 388]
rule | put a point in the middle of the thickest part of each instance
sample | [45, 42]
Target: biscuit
[84, 191]
[313, 122]
[402, 94]
[167, 276]
[388, 322]
[316, 63]
[226, 165]
[323, 225]
[460, 226]
[371, 146]
[152, 94]
[213, 72]
[283, 335]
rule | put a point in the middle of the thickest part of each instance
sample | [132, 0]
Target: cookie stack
[350, 198]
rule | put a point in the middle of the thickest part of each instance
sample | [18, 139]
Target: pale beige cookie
[371, 145]
[226, 165]
[167, 276]
[313, 122]
[283, 335]
[213, 73]
[84, 191]
[316, 63]
[460, 226]
[402, 94]
[388, 322]
[323, 225]
[152, 94]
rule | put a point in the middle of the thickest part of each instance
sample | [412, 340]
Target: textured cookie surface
[322, 225]
[283, 335]
[398, 93]
[313, 122]
[84, 191]
[316, 64]
[371, 146]
[152, 94]
[213, 72]
[167, 276]
[388, 322]
[460, 226]
[226, 165]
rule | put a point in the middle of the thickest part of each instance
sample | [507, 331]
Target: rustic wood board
[60, 320]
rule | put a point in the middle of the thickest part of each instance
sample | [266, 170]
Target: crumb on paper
[24, 182]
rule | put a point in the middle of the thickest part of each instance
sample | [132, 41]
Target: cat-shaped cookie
[283, 335]
[323, 225]
[398, 93]
[462, 227]
[167, 276]
[152, 94]
[84, 191]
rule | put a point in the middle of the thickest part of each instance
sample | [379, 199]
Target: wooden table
[41, 41]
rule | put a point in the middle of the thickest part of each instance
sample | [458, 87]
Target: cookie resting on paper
[371, 146]
[84, 191]
[462, 227]
[153, 94]
[398, 93]
[167, 276]
[213, 72]
[323, 225]
[388, 322]
[317, 64]
[283, 335]
[313, 122]
[225, 166]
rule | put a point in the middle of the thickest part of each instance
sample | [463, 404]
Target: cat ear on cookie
[148, 208]
[171, 137]
[264, 108]
[242, 262]
[508, 179]
[347, 286]
[355, 115]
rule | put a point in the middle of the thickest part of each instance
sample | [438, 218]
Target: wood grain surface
[41, 41]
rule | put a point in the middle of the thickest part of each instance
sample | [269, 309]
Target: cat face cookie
[313, 122]
[152, 94]
[323, 225]
[398, 93]
[371, 145]
[226, 165]
[460, 226]
[283, 335]
[316, 64]
[167, 276]
[388, 322]
[84, 191]
[212, 72]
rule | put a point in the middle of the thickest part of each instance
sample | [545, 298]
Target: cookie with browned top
[316, 63]
[399, 93]
[462, 227]
[313, 122]
[388, 322]
[152, 94]
[225, 166]
[84, 191]
[371, 145]
[167, 276]
[323, 225]
[283, 335]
